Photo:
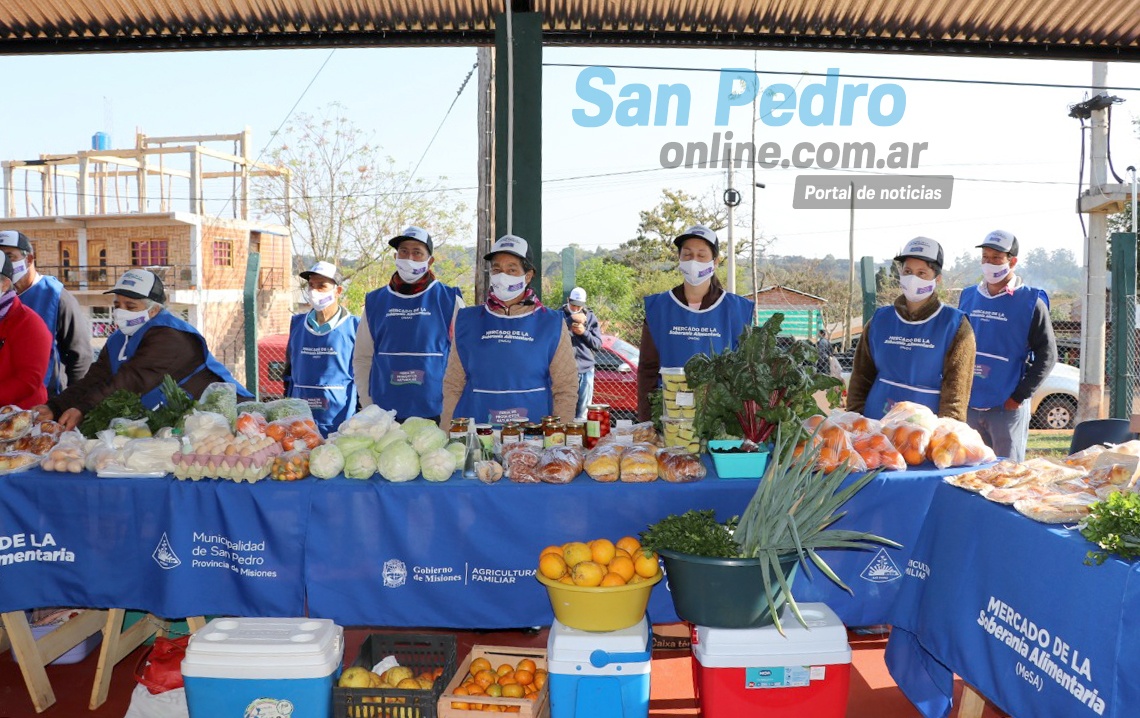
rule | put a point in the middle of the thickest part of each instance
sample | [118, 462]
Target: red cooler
[756, 671]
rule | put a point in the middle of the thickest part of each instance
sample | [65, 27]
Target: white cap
[922, 248]
[139, 284]
[578, 296]
[324, 269]
[17, 240]
[510, 244]
[700, 232]
[1002, 241]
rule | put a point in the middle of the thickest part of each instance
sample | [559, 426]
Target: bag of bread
[678, 466]
[560, 464]
[603, 463]
[642, 433]
[520, 462]
[639, 463]
[954, 443]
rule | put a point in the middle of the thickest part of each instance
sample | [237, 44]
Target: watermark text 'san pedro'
[639, 105]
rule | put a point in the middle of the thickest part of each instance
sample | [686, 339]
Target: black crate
[418, 651]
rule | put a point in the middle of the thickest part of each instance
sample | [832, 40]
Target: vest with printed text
[1001, 330]
[908, 357]
[321, 370]
[680, 332]
[43, 298]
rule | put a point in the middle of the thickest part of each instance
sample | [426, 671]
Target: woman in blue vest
[149, 343]
[512, 359]
[318, 357]
[405, 333]
[919, 349]
[695, 317]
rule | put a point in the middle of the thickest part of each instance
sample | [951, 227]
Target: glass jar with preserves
[554, 435]
[533, 435]
[607, 422]
[486, 436]
[594, 419]
[576, 433]
[458, 430]
[511, 433]
[551, 420]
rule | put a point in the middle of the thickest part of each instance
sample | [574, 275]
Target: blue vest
[43, 298]
[411, 339]
[507, 360]
[908, 358]
[120, 348]
[680, 333]
[321, 370]
[1001, 330]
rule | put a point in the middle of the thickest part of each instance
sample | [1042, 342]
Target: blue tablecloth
[455, 554]
[1009, 605]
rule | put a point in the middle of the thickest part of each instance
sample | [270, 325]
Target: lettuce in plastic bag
[352, 444]
[429, 438]
[219, 398]
[326, 461]
[358, 465]
[399, 462]
[437, 465]
[372, 421]
[288, 409]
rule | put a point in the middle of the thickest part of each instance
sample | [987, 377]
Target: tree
[653, 248]
[611, 295]
[348, 197]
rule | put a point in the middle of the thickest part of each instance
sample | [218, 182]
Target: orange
[622, 552]
[479, 664]
[485, 678]
[508, 679]
[552, 566]
[588, 573]
[566, 579]
[602, 550]
[513, 690]
[612, 579]
[551, 549]
[476, 691]
[645, 564]
[540, 678]
[575, 553]
[524, 677]
[622, 566]
[494, 690]
[525, 665]
[461, 690]
[512, 709]
[504, 669]
[629, 543]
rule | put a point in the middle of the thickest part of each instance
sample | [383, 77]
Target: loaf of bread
[560, 464]
[603, 463]
[639, 463]
[677, 465]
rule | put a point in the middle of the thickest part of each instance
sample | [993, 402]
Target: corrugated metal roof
[1040, 28]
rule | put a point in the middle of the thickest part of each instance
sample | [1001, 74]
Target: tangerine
[495, 690]
[479, 664]
[513, 690]
[540, 678]
[645, 563]
[602, 550]
[612, 579]
[551, 549]
[524, 677]
[629, 543]
[525, 664]
[622, 566]
[485, 678]
[552, 566]
[566, 579]
[588, 573]
[504, 669]
[575, 553]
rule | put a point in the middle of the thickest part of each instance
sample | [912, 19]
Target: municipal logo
[881, 569]
[395, 573]
[164, 554]
[269, 708]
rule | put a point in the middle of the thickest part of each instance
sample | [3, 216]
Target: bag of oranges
[868, 440]
[836, 448]
[909, 426]
[954, 443]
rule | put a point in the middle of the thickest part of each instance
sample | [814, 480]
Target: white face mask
[410, 270]
[130, 322]
[507, 286]
[696, 273]
[995, 273]
[915, 288]
[319, 300]
[19, 269]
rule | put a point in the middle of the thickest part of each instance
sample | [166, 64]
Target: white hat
[700, 232]
[417, 233]
[1002, 241]
[139, 284]
[511, 244]
[578, 296]
[324, 269]
[922, 248]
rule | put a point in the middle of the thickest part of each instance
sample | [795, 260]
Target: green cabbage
[390, 437]
[428, 438]
[437, 465]
[352, 444]
[458, 449]
[326, 461]
[357, 465]
[414, 425]
[399, 462]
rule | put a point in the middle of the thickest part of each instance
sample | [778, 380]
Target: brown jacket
[563, 375]
[649, 365]
[957, 365]
[162, 351]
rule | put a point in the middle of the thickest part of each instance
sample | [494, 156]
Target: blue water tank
[101, 141]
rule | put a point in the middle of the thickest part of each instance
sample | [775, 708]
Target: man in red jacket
[25, 345]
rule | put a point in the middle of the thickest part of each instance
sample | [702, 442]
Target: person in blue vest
[512, 359]
[318, 356]
[1016, 347]
[148, 343]
[71, 353]
[404, 336]
[918, 349]
[697, 316]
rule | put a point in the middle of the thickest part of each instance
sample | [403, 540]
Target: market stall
[1009, 605]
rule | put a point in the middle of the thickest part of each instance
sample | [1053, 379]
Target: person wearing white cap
[694, 317]
[405, 331]
[512, 359]
[148, 343]
[918, 349]
[70, 326]
[25, 345]
[586, 336]
[318, 356]
[1016, 347]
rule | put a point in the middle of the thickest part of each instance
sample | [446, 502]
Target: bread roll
[639, 463]
[603, 463]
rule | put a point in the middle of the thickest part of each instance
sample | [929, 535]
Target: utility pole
[1091, 400]
[485, 202]
[728, 196]
[850, 273]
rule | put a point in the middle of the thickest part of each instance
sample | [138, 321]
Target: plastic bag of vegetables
[399, 462]
[202, 425]
[220, 398]
[359, 465]
[288, 409]
[326, 461]
[437, 465]
[371, 421]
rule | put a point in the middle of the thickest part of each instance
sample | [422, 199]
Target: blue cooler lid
[265, 648]
[570, 650]
[823, 642]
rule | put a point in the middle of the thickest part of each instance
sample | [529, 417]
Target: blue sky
[1013, 150]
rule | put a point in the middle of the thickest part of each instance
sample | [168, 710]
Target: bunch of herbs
[1114, 526]
[693, 532]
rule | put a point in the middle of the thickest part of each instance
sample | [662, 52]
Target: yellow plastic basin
[609, 608]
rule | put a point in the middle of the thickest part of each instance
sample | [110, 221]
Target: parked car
[271, 366]
[615, 376]
[1053, 405]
